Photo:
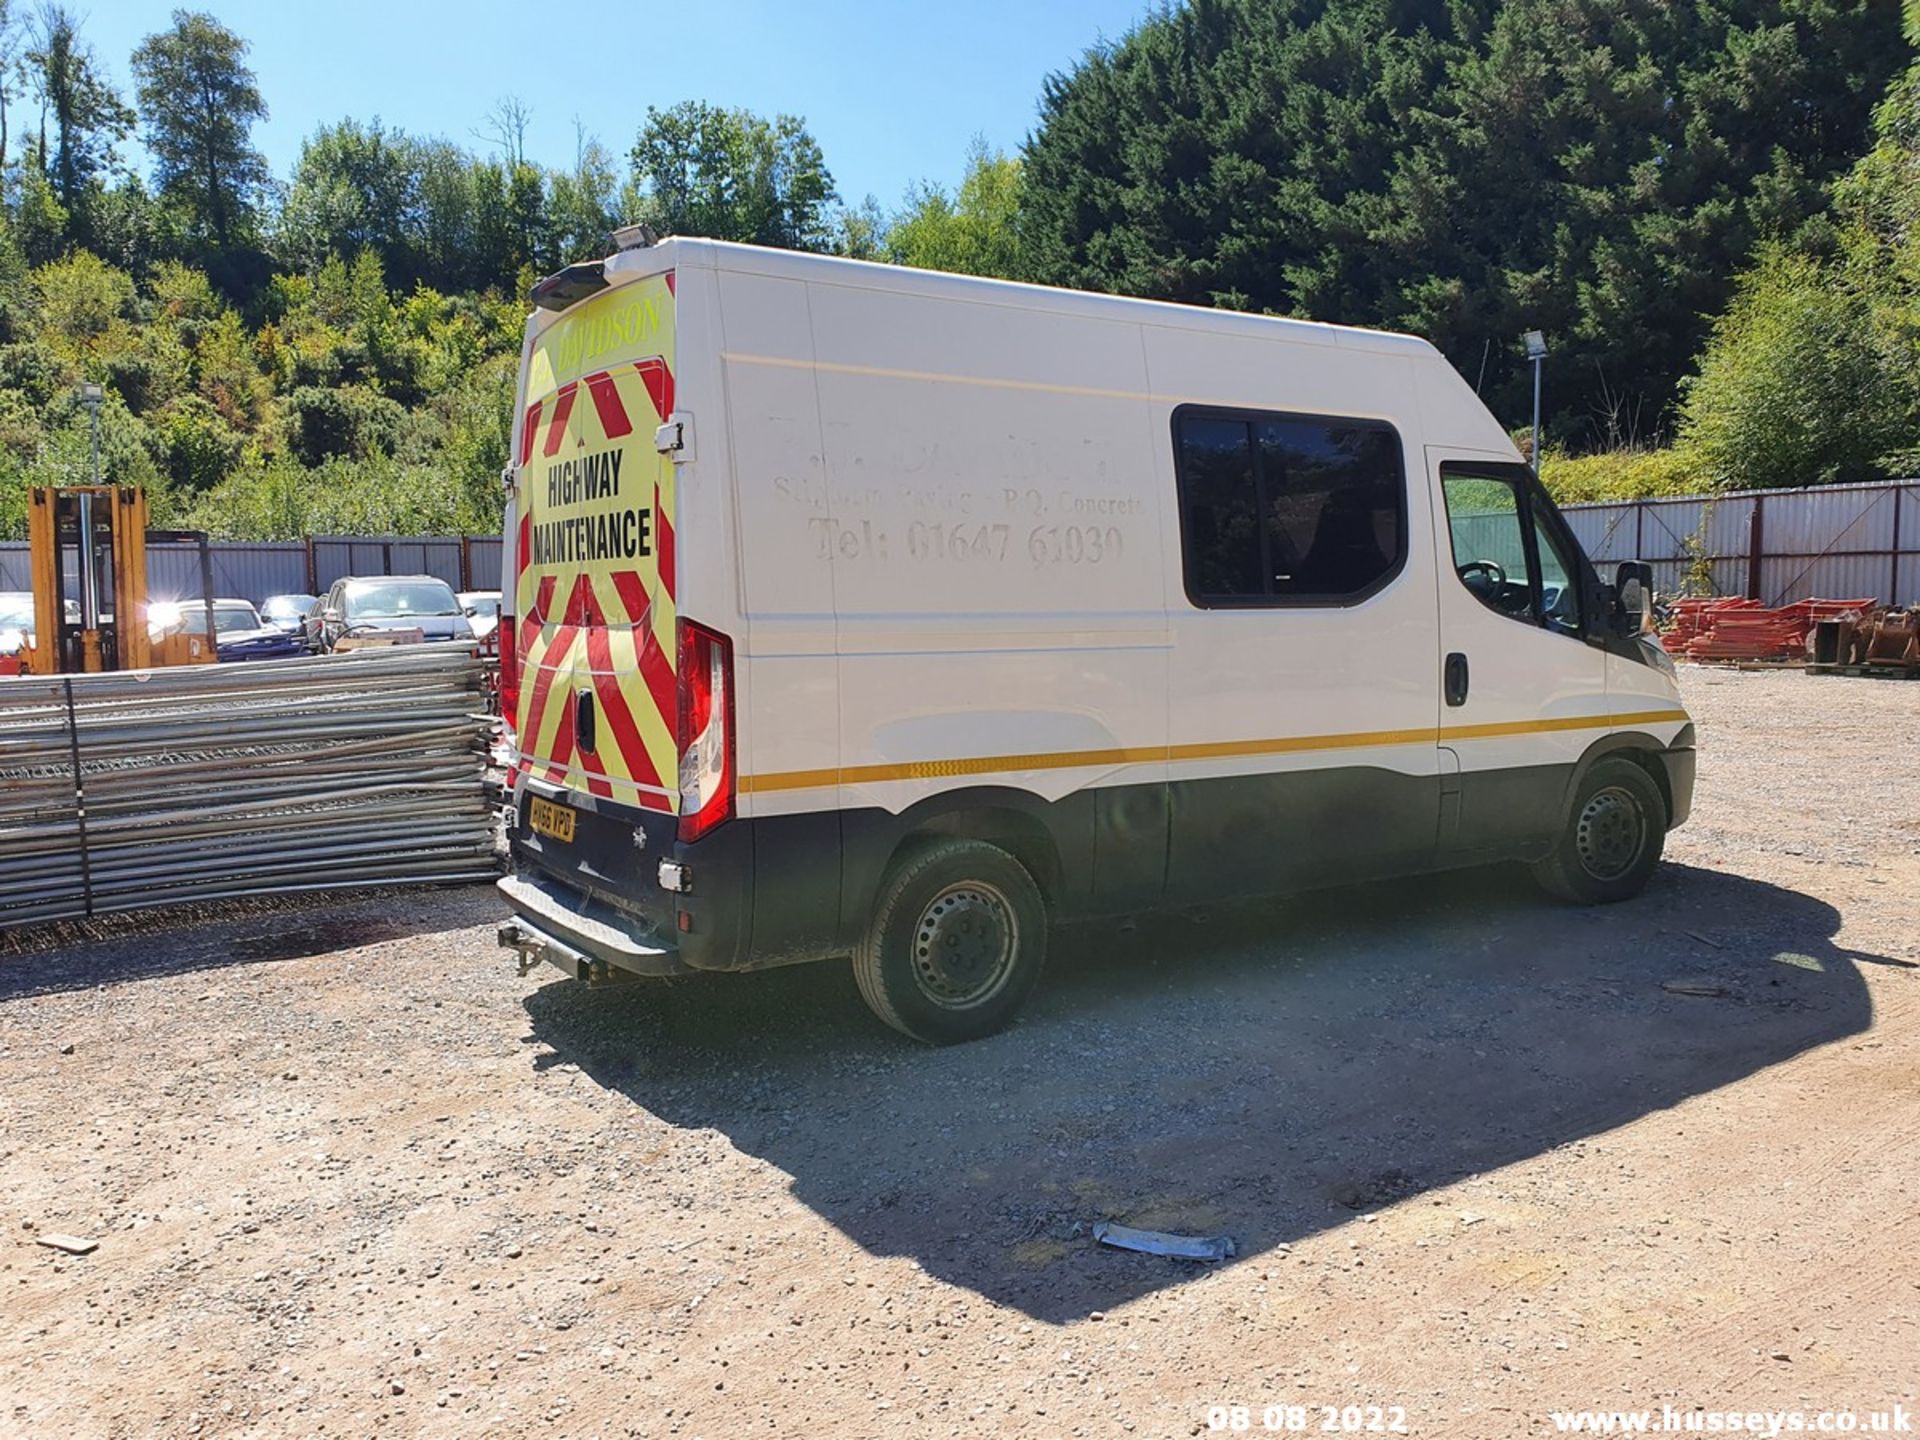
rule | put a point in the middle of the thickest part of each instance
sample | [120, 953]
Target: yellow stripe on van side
[1211, 750]
[1577, 722]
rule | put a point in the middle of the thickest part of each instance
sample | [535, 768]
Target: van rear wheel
[1613, 838]
[957, 941]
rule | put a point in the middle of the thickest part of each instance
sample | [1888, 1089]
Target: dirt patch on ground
[349, 1175]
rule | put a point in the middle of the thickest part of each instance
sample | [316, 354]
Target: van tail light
[506, 637]
[707, 774]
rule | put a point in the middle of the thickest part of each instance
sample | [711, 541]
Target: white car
[867, 612]
[482, 609]
[17, 620]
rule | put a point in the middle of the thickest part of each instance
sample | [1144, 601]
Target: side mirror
[330, 617]
[1633, 597]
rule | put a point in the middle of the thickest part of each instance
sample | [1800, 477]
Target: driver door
[1524, 692]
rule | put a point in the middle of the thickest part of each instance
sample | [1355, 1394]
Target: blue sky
[893, 91]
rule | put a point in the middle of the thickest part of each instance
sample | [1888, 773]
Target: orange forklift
[87, 546]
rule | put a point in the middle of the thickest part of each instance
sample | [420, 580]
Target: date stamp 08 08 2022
[1299, 1419]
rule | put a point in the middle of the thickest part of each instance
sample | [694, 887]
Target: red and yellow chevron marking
[595, 593]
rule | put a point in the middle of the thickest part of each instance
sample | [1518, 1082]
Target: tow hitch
[532, 946]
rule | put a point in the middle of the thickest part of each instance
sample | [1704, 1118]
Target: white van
[862, 611]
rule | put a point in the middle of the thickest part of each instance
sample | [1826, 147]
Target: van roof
[688, 252]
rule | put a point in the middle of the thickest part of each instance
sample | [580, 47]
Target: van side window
[1283, 509]
[1491, 523]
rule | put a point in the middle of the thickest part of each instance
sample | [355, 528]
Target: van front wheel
[1613, 838]
[957, 941]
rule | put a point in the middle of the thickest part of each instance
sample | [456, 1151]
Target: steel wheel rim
[1610, 833]
[964, 944]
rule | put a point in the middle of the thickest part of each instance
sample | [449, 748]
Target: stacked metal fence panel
[142, 789]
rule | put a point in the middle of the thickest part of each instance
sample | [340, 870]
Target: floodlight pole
[1536, 352]
[1536, 414]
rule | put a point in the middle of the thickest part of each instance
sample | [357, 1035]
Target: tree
[447, 238]
[860, 231]
[88, 115]
[10, 41]
[354, 187]
[1466, 169]
[1798, 385]
[1813, 373]
[200, 104]
[581, 203]
[81, 301]
[505, 127]
[431, 212]
[972, 233]
[731, 175]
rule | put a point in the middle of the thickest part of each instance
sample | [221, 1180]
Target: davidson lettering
[588, 336]
[589, 477]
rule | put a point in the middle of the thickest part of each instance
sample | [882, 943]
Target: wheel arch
[1051, 839]
[1637, 746]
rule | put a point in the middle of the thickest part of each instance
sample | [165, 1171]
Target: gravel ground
[349, 1175]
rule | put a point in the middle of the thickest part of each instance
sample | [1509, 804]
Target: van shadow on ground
[1264, 1075]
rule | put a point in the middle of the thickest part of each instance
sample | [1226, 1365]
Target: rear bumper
[603, 883]
[1679, 765]
[587, 940]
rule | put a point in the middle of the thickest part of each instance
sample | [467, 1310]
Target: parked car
[1085, 605]
[310, 625]
[287, 612]
[370, 607]
[16, 620]
[482, 608]
[238, 631]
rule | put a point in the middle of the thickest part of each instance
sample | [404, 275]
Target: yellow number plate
[551, 819]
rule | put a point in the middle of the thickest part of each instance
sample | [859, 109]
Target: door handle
[1456, 678]
[583, 720]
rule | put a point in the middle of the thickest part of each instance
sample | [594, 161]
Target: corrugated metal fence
[1776, 546]
[252, 571]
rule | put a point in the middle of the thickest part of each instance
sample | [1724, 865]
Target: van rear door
[594, 591]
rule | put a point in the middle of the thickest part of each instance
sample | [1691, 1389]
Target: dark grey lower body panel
[1297, 830]
[780, 889]
[1509, 814]
[1679, 767]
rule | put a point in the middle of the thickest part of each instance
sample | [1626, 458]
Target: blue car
[286, 612]
[238, 631]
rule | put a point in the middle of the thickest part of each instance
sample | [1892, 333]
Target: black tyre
[1613, 839]
[958, 937]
